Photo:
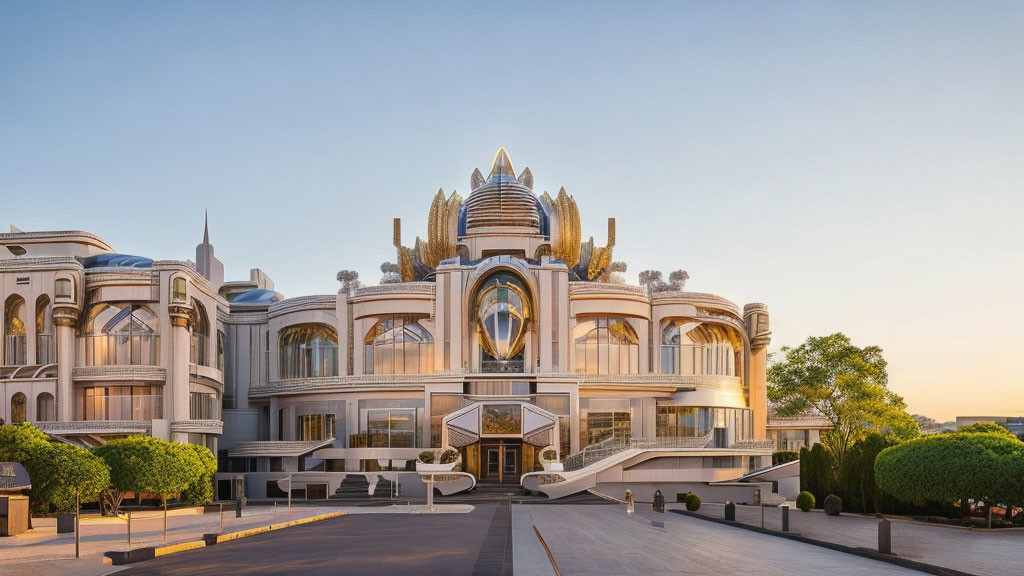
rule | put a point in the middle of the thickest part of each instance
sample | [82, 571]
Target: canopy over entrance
[503, 419]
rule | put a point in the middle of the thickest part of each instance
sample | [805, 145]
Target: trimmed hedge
[833, 505]
[816, 470]
[783, 456]
[947, 467]
[805, 501]
[692, 502]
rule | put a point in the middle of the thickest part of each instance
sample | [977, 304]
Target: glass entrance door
[500, 461]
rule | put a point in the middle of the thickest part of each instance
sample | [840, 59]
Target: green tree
[200, 491]
[30, 447]
[145, 464]
[943, 468]
[817, 475]
[845, 384]
[70, 472]
[856, 477]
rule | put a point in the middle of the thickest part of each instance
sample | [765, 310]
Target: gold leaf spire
[502, 164]
[566, 232]
[442, 228]
[601, 261]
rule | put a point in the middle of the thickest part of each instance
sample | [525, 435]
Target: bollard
[785, 518]
[238, 508]
[730, 511]
[884, 537]
[762, 517]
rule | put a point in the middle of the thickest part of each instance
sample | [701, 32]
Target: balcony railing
[15, 350]
[127, 408]
[114, 350]
[46, 349]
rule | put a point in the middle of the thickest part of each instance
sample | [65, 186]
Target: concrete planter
[65, 523]
[421, 467]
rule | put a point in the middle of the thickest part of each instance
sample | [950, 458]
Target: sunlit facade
[504, 335]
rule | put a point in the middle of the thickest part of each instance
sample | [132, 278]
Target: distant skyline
[857, 167]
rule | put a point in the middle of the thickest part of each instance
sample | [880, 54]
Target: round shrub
[692, 502]
[427, 457]
[549, 455]
[833, 505]
[449, 456]
[805, 501]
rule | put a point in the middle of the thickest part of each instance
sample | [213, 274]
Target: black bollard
[238, 508]
[730, 511]
[785, 518]
[659, 502]
[884, 537]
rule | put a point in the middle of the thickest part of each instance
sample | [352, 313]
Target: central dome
[503, 200]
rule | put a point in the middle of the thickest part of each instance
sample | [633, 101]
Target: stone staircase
[354, 491]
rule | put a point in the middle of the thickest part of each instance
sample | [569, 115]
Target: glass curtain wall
[727, 424]
[606, 345]
[121, 334]
[398, 345]
[308, 351]
[692, 348]
[316, 427]
[391, 428]
[119, 402]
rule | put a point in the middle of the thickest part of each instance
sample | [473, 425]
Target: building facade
[503, 335]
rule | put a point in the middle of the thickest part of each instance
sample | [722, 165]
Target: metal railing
[116, 349]
[610, 446]
[15, 350]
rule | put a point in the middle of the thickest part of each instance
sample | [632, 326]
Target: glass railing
[15, 350]
[121, 407]
[46, 349]
[115, 350]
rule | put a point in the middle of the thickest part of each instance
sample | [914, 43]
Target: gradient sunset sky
[858, 167]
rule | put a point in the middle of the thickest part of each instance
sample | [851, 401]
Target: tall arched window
[46, 408]
[398, 345]
[46, 351]
[200, 332]
[121, 333]
[693, 348]
[18, 409]
[502, 314]
[308, 351]
[606, 345]
[15, 349]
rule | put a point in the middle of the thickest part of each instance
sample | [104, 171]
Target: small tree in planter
[805, 501]
[449, 456]
[427, 457]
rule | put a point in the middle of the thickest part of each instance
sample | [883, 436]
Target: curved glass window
[398, 345]
[46, 346]
[606, 345]
[308, 351]
[200, 332]
[46, 408]
[119, 334]
[119, 402]
[18, 414]
[15, 350]
[727, 425]
[693, 348]
[503, 317]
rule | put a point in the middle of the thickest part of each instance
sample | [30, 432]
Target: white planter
[554, 467]
[421, 467]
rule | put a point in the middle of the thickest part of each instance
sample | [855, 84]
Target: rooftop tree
[845, 384]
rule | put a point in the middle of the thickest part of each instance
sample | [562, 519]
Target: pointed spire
[502, 164]
[206, 226]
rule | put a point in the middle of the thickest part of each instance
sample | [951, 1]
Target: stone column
[65, 319]
[756, 318]
[180, 340]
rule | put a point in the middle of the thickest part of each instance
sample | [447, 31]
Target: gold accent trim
[601, 261]
[442, 228]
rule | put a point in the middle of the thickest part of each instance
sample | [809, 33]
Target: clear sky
[858, 166]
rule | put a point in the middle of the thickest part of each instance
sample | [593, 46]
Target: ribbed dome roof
[502, 200]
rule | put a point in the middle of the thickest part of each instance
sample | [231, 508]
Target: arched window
[606, 345]
[18, 408]
[46, 408]
[46, 351]
[179, 290]
[15, 349]
[200, 332]
[308, 351]
[693, 348]
[119, 334]
[64, 290]
[398, 345]
[502, 309]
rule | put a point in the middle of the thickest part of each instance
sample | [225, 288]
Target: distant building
[796, 432]
[1014, 424]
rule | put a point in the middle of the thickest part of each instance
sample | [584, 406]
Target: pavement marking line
[548, 550]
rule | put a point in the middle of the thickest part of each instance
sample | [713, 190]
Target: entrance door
[500, 461]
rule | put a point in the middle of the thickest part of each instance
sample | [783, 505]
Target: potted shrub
[833, 505]
[805, 501]
[446, 463]
[549, 458]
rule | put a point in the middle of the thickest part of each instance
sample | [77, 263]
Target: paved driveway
[448, 544]
[604, 540]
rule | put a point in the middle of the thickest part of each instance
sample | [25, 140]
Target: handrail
[614, 445]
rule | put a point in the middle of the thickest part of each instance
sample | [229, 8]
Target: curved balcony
[197, 427]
